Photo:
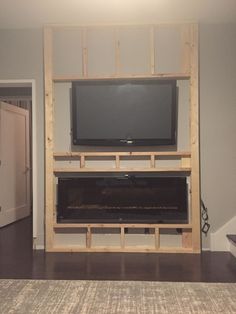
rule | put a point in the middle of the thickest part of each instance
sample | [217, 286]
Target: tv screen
[124, 112]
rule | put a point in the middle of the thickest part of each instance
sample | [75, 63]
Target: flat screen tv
[124, 112]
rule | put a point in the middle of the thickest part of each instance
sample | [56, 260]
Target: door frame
[30, 83]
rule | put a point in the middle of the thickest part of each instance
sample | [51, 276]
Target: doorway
[20, 94]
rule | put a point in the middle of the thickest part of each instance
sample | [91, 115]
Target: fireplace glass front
[123, 198]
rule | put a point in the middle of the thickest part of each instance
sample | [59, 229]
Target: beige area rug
[87, 297]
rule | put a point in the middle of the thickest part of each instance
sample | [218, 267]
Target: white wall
[21, 57]
[218, 122]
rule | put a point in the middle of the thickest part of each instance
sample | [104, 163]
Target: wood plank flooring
[18, 260]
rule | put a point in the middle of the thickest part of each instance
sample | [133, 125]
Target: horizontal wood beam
[138, 169]
[176, 76]
[114, 154]
[138, 249]
[109, 25]
[121, 225]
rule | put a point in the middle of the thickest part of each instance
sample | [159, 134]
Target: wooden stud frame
[84, 53]
[152, 157]
[49, 179]
[189, 161]
[194, 138]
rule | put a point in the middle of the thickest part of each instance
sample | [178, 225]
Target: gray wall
[21, 57]
[218, 121]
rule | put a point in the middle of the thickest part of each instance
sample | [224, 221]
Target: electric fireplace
[123, 198]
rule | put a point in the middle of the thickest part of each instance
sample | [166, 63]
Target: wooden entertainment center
[109, 44]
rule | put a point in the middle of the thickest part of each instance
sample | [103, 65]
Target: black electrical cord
[204, 213]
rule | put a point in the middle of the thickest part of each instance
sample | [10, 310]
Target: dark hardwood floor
[17, 260]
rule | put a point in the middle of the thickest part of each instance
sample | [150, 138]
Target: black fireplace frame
[168, 211]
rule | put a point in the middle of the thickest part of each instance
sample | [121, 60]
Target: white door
[14, 164]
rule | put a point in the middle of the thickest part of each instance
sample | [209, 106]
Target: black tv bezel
[172, 141]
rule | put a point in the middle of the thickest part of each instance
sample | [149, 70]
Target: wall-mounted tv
[124, 112]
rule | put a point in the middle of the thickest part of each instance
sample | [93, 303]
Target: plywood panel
[62, 114]
[186, 47]
[76, 238]
[168, 48]
[67, 52]
[183, 138]
[101, 51]
[134, 45]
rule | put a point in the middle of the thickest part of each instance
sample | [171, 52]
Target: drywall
[218, 122]
[28, 13]
[21, 57]
[218, 239]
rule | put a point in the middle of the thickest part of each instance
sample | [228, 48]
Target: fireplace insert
[123, 198]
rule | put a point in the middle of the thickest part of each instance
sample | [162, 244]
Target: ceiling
[33, 13]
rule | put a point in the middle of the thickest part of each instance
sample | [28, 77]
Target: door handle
[27, 168]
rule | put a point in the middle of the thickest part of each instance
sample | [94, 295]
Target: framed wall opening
[22, 93]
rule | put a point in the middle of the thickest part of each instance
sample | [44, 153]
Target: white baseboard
[204, 249]
[233, 249]
[218, 240]
[39, 247]
[38, 243]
